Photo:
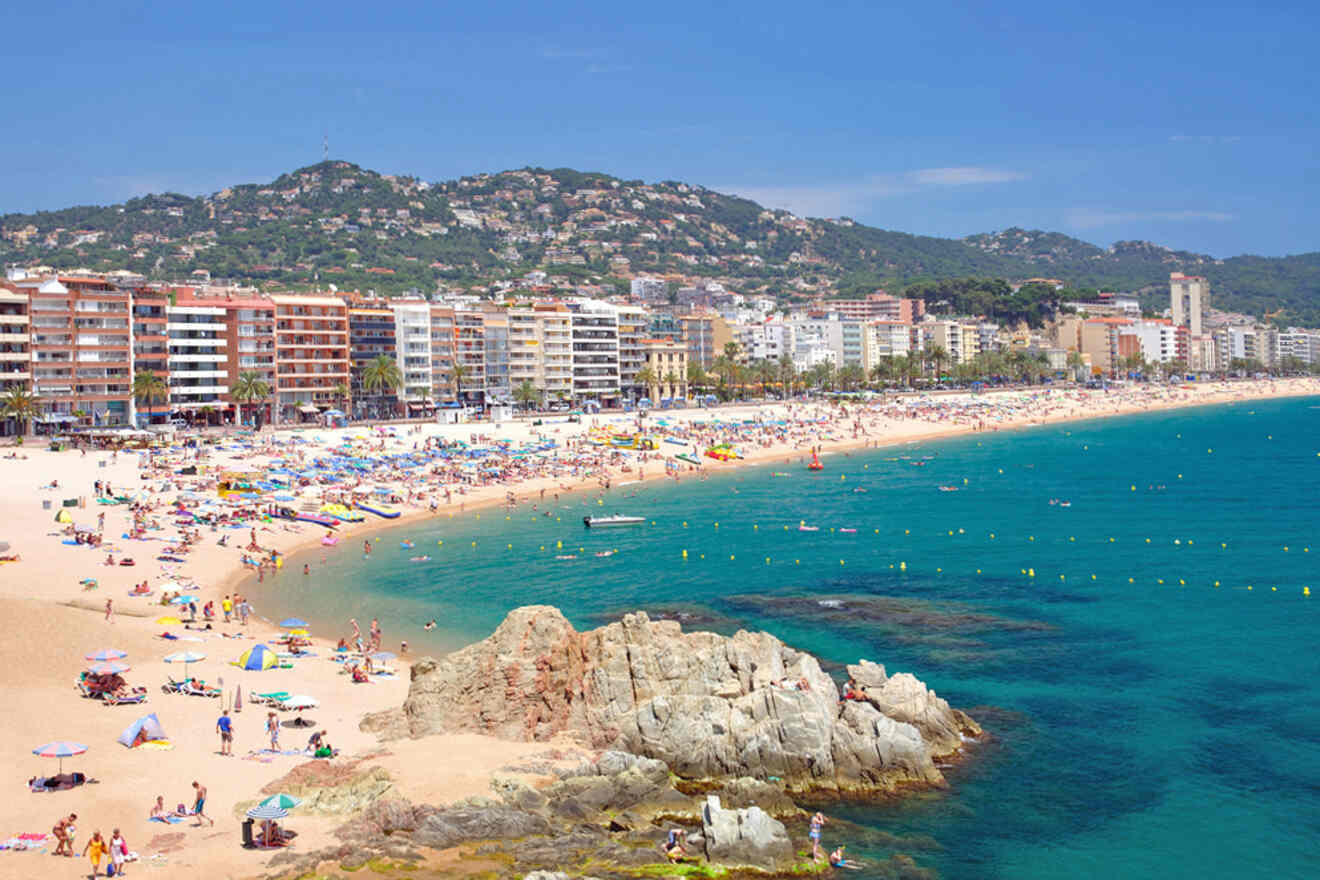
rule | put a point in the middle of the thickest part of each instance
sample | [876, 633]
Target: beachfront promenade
[424, 471]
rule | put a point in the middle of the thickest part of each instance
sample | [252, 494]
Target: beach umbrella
[165, 621]
[107, 654]
[383, 656]
[185, 657]
[281, 801]
[293, 623]
[301, 701]
[263, 811]
[256, 658]
[109, 667]
[59, 749]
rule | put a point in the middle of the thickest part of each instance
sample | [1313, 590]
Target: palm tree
[732, 350]
[21, 405]
[382, 375]
[150, 388]
[671, 379]
[646, 378]
[696, 376]
[459, 373]
[248, 389]
[787, 374]
[766, 370]
[936, 356]
[1075, 362]
[526, 394]
[341, 391]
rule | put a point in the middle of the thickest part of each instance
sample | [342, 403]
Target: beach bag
[110, 870]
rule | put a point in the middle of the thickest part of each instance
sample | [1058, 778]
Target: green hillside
[336, 223]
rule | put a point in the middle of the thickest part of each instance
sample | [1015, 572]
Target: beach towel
[168, 820]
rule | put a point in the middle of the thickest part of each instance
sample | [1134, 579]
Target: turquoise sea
[1145, 722]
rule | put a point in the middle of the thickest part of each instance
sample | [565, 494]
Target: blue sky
[1188, 124]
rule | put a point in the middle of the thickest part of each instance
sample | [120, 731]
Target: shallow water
[1139, 728]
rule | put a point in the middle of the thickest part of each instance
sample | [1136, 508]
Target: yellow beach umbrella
[168, 620]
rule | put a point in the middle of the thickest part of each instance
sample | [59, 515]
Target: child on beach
[273, 728]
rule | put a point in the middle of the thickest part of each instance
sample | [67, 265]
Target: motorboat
[615, 520]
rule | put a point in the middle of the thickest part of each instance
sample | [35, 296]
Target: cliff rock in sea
[710, 707]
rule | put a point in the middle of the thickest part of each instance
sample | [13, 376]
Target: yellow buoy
[474, 543]
[902, 566]
[508, 517]
[685, 524]
[1159, 580]
[767, 560]
[1092, 577]
[1148, 540]
[510, 546]
[1071, 538]
[907, 531]
[992, 536]
[1223, 545]
[840, 562]
[978, 571]
[1111, 540]
[731, 557]
[950, 531]
[1285, 549]
[559, 545]
[799, 562]
[755, 527]
[1031, 537]
[1181, 582]
[1134, 487]
[542, 546]
[600, 500]
[685, 554]
[1248, 586]
[877, 531]
[937, 570]
[1031, 572]
[1062, 577]
[1130, 580]
[1216, 583]
[1306, 591]
[1274, 589]
[717, 525]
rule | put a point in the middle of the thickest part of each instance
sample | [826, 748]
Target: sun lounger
[130, 699]
[273, 697]
[203, 691]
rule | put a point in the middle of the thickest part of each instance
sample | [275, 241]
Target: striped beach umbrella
[107, 654]
[264, 811]
[109, 667]
[185, 657]
[301, 701]
[280, 801]
[59, 749]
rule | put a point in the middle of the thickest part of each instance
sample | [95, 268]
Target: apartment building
[878, 306]
[1304, 345]
[371, 334]
[312, 366]
[81, 347]
[705, 334]
[1189, 301]
[198, 359]
[770, 339]
[443, 389]
[667, 361]
[412, 340]
[151, 349]
[961, 342]
[541, 348]
[249, 348]
[884, 339]
[470, 355]
[595, 337]
[632, 321]
[15, 349]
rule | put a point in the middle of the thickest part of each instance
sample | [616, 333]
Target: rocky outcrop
[744, 837]
[708, 706]
[904, 698]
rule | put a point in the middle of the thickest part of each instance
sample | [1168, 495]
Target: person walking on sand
[225, 727]
[95, 848]
[118, 852]
[227, 606]
[109, 610]
[199, 805]
[273, 728]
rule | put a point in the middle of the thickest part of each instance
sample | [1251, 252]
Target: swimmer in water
[430, 626]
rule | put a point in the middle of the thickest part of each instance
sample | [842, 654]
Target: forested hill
[337, 223]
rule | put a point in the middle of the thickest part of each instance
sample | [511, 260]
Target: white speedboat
[616, 520]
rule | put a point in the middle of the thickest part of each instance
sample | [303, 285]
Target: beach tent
[258, 657]
[145, 729]
[63, 516]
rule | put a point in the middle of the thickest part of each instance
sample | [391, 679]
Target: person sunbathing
[158, 811]
[359, 677]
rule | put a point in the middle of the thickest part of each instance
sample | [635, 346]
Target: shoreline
[41, 597]
[240, 577]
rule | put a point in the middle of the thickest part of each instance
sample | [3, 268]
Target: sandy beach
[55, 619]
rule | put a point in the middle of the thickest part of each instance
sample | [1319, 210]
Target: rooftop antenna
[325, 147]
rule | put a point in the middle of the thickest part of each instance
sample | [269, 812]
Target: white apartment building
[1159, 342]
[541, 349]
[884, 339]
[1301, 344]
[595, 337]
[770, 339]
[198, 356]
[412, 344]
[632, 324]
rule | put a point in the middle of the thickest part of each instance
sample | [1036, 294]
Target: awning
[309, 410]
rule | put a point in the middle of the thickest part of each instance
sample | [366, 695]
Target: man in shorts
[225, 726]
[200, 804]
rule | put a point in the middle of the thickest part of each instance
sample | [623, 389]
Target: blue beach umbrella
[107, 654]
[293, 623]
[186, 658]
